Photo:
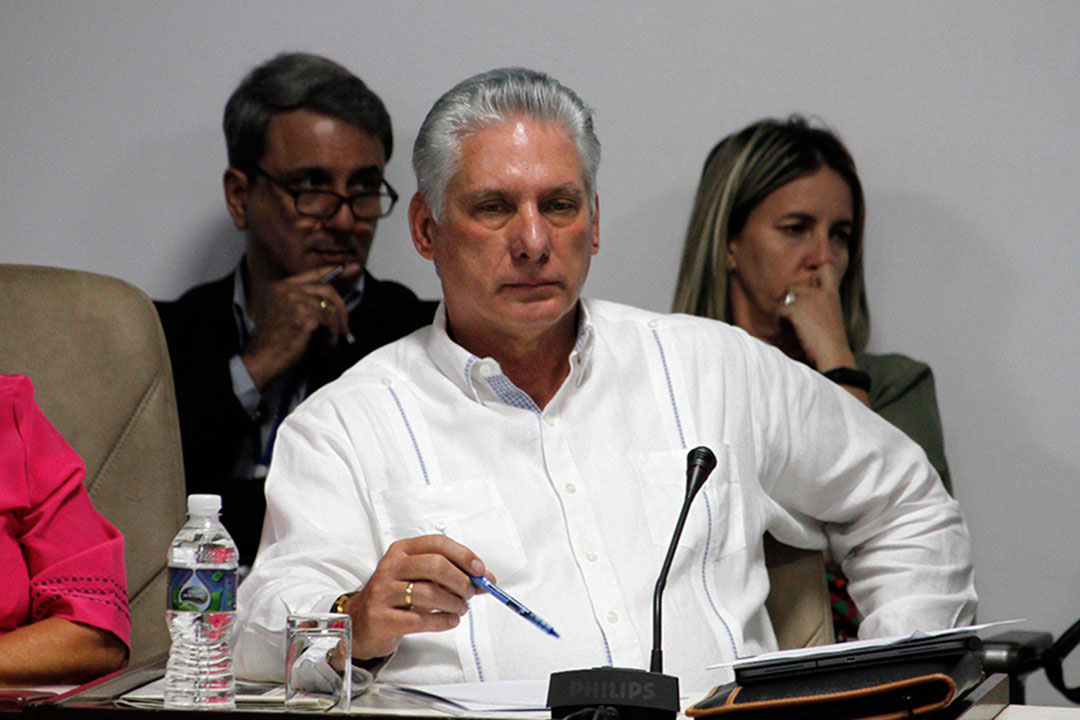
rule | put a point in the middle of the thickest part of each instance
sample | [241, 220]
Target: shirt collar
[246, 326]
[482, 378]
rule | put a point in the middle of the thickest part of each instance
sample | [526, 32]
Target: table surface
[989, 701]
[1038, 712]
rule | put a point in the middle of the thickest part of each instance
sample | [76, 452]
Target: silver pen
[329, 277]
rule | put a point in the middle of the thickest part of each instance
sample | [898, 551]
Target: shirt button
[590, 556]
[570, 488]
[613, 617]
[387, 381]
[653, 323]
[486, 370]
[549, 421]
[440, 526]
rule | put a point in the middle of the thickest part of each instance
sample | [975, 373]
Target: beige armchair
[94, 349]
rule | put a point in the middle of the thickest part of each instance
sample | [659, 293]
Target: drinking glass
[318, 662]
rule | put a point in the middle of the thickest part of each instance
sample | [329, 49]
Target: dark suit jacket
[202, 336]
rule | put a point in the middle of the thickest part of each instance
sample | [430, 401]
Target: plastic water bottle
[200, 610]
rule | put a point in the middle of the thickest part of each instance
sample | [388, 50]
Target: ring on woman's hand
[322, 304]
[789, 298]
[408, 596]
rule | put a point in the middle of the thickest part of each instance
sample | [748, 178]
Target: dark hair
[740, 172]
[298, 81]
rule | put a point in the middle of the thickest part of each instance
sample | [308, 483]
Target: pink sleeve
[74, 556]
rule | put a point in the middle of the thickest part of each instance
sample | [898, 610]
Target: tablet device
[939, 647]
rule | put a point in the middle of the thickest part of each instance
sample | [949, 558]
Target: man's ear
[422, 226]
[596, 225]
[237, 186]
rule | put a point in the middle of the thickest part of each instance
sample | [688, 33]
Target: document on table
[152, 694]
[509, 699]
[16, 697]
[507, 696]
[251, 694]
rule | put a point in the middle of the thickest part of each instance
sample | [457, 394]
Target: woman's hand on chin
[814, 313]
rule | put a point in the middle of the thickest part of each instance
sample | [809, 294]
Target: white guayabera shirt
[572, 507]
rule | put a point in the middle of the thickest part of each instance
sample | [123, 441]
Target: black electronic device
[905, 651]
[635, 694]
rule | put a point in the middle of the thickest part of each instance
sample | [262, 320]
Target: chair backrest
[798, 601]
[93, 347]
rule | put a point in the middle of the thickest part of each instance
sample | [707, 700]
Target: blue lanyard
[285, 405]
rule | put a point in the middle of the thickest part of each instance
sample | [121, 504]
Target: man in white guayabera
[540, 438]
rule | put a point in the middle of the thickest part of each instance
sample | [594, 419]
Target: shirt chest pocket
[717, 516]
[464, 511]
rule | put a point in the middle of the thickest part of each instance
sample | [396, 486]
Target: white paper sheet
[508, 695]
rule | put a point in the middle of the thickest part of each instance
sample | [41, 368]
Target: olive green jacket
[902, 392]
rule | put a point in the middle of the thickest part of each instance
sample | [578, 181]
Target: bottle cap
[203, 505]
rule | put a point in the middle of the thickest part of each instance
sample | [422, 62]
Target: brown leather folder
[883, 692]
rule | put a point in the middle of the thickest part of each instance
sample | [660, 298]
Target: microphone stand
[635, 694]
[700, 462]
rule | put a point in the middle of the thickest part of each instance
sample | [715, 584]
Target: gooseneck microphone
[635, 694]
[700, 462]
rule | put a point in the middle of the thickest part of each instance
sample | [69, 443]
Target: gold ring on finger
[408, 596]
[322, 304]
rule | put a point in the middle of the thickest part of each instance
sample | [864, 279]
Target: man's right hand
[438, 570]
[286, 317]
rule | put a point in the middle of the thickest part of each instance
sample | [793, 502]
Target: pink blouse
[58, 556]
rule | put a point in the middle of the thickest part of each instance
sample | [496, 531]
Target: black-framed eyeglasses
[324, 204]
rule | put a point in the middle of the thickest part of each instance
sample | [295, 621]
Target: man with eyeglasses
[307, 143]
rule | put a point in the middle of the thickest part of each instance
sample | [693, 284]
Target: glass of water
[318, 662]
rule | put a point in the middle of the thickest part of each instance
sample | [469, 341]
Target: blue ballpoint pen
[499, 594]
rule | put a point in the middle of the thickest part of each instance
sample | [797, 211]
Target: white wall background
[962, 117]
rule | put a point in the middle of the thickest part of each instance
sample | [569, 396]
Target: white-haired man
[540, 438]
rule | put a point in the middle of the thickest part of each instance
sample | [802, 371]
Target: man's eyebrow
[484, 194]
[368, 172]
[313, 172]
[318, 173]
[570, 189]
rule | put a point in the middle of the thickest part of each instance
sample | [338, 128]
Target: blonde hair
[740, 172]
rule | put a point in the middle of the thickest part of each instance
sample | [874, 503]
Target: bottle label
[203, 590]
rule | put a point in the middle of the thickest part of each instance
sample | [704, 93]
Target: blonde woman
[775, 246]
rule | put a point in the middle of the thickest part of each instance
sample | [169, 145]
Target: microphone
[700, 462]
[635, 693]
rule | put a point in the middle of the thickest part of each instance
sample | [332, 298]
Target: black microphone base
[636, 694]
